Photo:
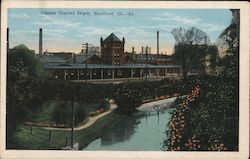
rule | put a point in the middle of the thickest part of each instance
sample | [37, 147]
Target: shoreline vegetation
[39, 138]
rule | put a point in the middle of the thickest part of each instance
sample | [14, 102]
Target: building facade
[112, 65]
[112, 50]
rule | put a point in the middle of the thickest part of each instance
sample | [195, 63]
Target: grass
[45, 115]
[39, 139]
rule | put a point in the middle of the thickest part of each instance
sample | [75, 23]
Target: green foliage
[24, 74]
[62, 113]
[212, 120]
[192, 50]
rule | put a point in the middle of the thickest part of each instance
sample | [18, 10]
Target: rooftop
[112, 37]
[97, 66]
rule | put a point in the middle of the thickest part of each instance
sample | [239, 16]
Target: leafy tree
[24, 74]
[191, 48]
[212, 118]
[62, 113]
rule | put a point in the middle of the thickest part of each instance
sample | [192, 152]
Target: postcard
[129, 79]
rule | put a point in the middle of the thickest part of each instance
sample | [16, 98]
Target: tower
[112, 50]
[40, 41]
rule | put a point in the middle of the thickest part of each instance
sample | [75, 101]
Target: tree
[24, 75]
[190, 48]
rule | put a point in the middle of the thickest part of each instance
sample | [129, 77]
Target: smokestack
[7, 40]
[141, 50]
[133, 53]
[157, 42]
[40, 41]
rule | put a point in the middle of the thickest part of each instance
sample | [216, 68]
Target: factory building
[113, 63]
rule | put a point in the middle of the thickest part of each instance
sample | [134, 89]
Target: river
[140, 132]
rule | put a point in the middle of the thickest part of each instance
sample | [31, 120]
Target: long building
[111, 65]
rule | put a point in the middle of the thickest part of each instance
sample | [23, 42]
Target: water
[140, 132]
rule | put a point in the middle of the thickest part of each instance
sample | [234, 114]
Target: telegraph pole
[86, 46]
[146, 62]
[147, 50]
[72, 124]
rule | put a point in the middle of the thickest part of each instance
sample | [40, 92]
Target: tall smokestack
[7, 40]
[133, 53]
[157, 42]
[40, 41]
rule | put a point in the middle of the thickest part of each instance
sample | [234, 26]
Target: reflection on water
[139, 132]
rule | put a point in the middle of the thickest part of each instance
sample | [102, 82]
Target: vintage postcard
[129, 79]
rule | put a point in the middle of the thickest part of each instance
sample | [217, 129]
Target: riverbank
[91, 120]
[39, 138]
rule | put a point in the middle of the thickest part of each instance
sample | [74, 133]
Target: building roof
[98, 66]
[50, 59]
[160, 56]
[80, 58]
[112, 37]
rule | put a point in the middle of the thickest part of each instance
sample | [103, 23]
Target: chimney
[133, 50]
[40, 41]
[141, 50]
[157, 43]
[7, 40]
[74, 57]
[133, 53]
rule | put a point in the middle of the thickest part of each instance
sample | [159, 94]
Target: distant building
[113, 63]
[63, 55]
[112, 50]
[92, 50]
[154, 59]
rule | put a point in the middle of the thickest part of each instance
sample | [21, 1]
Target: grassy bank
[39, 139]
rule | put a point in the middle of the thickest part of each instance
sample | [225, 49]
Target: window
[109, 72]
[94, 72]
[119, 72]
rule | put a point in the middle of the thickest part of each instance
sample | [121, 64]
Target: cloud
[19, 16]
[166, 16]
[45, 20]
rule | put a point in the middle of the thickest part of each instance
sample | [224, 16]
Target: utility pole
[86, 46]
[157, 47]
[146, 62]
[72, 124]
[147, 49]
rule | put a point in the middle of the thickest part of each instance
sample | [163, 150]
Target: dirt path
[91, 120]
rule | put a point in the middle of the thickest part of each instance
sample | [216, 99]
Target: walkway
[157, 105]
[91, 120]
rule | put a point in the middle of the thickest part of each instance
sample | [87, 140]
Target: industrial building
[113, 63]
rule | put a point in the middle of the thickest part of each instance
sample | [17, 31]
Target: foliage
[192, 50]
[62, 113]
[24, 74]
[211, 120]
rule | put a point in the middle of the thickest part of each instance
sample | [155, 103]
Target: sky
[67, 29]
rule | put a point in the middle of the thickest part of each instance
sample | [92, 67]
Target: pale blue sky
[68, 32]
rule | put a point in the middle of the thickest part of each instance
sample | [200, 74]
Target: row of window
[114, 45]
[94, 72]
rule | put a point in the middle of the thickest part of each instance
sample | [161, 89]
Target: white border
[244, 80]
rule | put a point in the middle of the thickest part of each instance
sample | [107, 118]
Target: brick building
[112, 50]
